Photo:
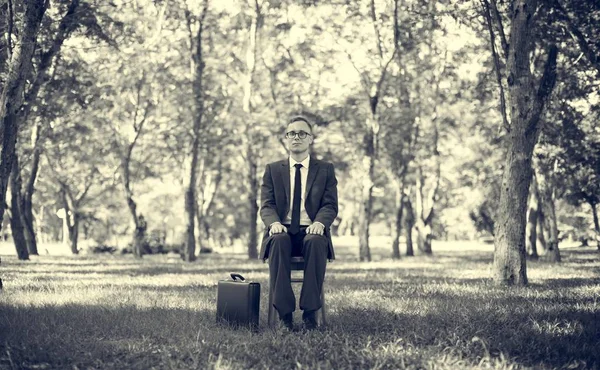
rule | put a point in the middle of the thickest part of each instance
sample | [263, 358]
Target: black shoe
[310, 321]
[287, 321]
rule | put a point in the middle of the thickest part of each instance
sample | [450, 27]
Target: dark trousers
[314, 250]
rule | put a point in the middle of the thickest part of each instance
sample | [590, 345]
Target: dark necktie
[295, 226]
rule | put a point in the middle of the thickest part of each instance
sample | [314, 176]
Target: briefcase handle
[234, 276]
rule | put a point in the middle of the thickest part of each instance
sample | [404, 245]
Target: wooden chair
[297, 265]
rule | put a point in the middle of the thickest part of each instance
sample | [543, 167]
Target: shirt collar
[305, 163]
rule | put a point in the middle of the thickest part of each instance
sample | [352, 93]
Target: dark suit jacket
[321, 197]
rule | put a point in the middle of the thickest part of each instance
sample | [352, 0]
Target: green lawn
[438, 312]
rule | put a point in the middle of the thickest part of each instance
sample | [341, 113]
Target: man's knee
[281, 238]
[280, 242]
[315, 240]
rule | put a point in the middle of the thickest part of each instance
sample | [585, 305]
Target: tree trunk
[409, 223]
[39, 216]
[12, 93]
[253, 204]
[206, 195]
[189, 250]
[552, 251]
[541, 230]
[16, 225]
[424, 237]
[249, 152]
[197, 65]
[70, 222]
[27, 200]
[205, 234]
[348, 217]
[546, 204]
[73, 227]
[532, 221]
[397, 225]
[596, 223]
[526, 107]
[371, 143]
[364, 221]
[424, 215]
[137, 247]
[509, 226]
[29, 231]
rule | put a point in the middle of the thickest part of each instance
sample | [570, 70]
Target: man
[299, 204]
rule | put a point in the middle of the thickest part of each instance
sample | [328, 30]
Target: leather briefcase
[238, 301]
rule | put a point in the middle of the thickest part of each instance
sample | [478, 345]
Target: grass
[114, 312]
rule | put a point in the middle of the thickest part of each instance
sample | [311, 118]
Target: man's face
[295, 143]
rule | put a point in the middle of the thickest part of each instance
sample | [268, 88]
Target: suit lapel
[285, 177]
[313, 169]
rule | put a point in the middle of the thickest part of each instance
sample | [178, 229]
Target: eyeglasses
[293, 134]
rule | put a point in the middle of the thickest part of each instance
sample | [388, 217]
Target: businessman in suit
[299, 204]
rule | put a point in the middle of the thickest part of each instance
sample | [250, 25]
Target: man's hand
[277, 228]
[316, 228]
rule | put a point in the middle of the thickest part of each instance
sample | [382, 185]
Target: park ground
[115, 312]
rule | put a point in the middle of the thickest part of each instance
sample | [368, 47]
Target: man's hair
[301, 119]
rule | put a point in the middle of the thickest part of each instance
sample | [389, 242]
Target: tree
[578, 162]
[197, 66]
[249, 149]
[425, 203]
[69, 22]
[371, 56]
[399, 140]
[130, 84]
[546, 190]
[75, 157]
[12, 92]
[526, 102]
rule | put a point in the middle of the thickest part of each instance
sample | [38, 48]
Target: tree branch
[579, 37]
[10, 28]
[67, 25]
[498, 17]
[384, 72]
[486, 13]
[89, 181]
[365, 81]
[137, 126]
[29, 189]
[545, 89]
[374, 19]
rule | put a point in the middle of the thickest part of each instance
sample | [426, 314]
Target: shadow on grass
[531, 334]
[538, 337]
[348, 279]
[67, 336]
[567, 283]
